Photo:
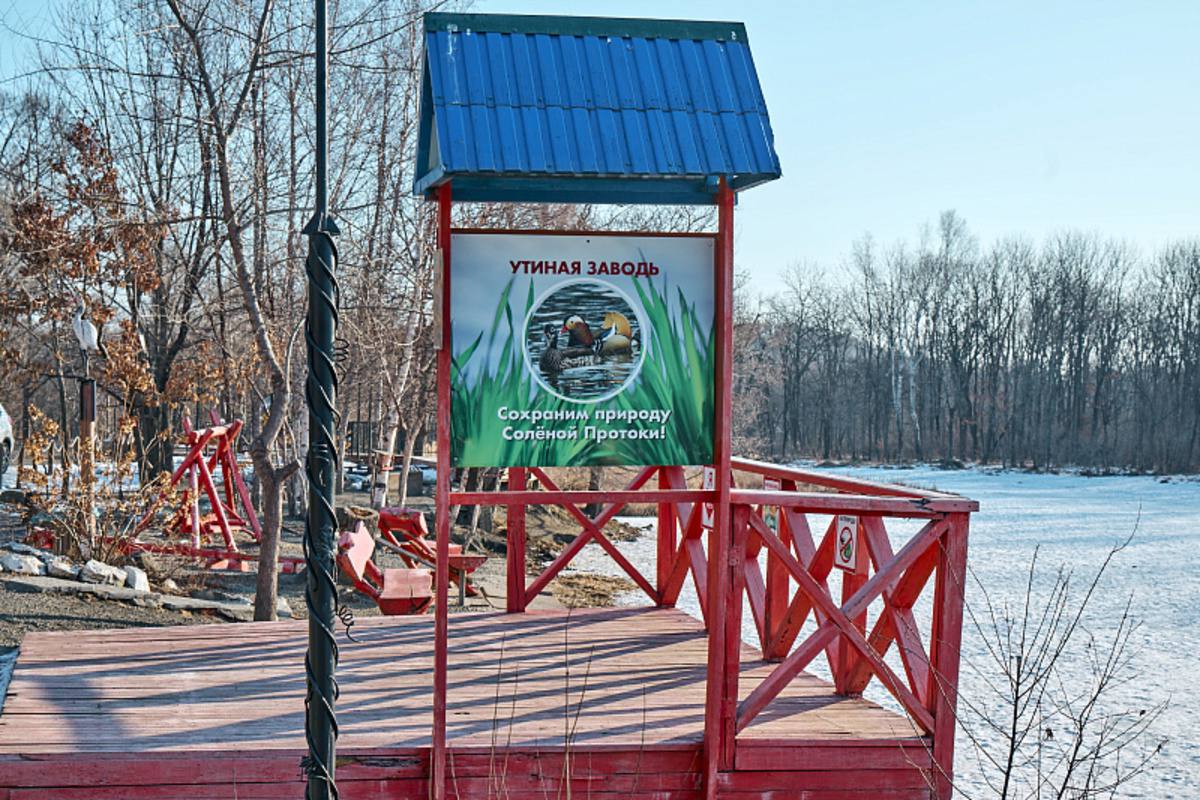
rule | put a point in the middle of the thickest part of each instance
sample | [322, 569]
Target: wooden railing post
[515, 545]
[776, 601]
[852, 581]
[666, 541]
[441, 622]
[945, 649]
[740, 520]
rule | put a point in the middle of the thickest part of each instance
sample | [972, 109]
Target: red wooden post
[515, 548]
[852, 581]
[775, 608]
[442, 532]
[945, 649]
[210, 488]
[719, 539]
[666, 540]
[733, 633]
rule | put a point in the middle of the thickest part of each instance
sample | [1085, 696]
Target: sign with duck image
[581, 349]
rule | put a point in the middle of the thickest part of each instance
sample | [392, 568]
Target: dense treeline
[1072, 351]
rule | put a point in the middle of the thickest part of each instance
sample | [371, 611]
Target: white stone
[26, 550]
[170, 586]
[22, 564]
[60, 567]
[98, 572]
[137, 579]
[283, 609]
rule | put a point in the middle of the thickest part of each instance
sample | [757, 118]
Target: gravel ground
[46, 611]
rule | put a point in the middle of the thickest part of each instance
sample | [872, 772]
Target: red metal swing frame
[727, 574]
[232, 508]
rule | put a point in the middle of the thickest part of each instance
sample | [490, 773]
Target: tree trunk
[266, 592]
[470, 484]
[158, 448]
[297, 502]
[339, 480]
[64, 434]
[913, 367]
[410, 443]
[898, 405]
[19, 456]
[383, 459]
[594, 474]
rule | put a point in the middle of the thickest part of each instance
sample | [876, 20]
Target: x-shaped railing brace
[838, 621]
[592, 530]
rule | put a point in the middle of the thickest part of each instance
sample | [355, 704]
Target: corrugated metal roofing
[579, 109]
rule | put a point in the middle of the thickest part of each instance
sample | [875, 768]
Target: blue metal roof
[585, 109]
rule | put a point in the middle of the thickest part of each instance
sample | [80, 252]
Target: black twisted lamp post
[320, 592]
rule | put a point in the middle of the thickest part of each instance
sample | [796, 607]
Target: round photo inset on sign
[584, 341]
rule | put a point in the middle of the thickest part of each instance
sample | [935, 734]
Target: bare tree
[1051, 718]
[224, 98]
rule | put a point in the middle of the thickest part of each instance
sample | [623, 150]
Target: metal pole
[87, 457]
[320, 591]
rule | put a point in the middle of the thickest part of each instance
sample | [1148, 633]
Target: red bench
[395, 591]
[415, 549]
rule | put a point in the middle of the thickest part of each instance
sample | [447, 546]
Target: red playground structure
[210, 536]
[415, 549]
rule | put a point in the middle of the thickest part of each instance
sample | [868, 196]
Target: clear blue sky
[1025, 117]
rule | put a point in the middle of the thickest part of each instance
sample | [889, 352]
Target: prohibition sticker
[770, 514]
[846, 555]
[709, 484]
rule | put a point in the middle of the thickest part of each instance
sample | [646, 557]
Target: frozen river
[1074, 520]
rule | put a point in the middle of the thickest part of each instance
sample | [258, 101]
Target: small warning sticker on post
[770, 514]
[846, 555]
[709, 484]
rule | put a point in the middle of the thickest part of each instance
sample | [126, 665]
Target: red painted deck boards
[159, 712]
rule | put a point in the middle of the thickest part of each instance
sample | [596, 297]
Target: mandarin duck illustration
[580, 334]
[619, 337]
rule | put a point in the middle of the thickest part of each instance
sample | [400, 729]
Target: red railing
[782, 574]
[884, 586]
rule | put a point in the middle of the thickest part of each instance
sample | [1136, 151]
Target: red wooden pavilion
[857, 580]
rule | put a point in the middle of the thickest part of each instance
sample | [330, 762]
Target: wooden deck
[216, 711]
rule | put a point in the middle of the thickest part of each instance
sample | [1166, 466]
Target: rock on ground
[98, 572]
[26, 550]
[22, 564]
[137, 579]
[61, 567]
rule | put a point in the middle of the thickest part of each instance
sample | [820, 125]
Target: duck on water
[618, 339]
[555, 360]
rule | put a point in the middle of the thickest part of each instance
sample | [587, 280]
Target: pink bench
[395, 591]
